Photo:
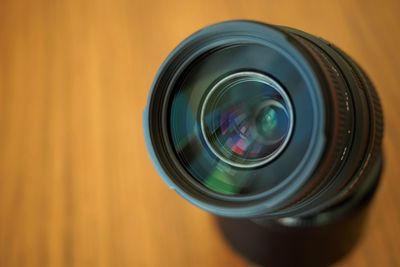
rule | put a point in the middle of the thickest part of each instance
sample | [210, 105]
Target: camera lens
[247, 119]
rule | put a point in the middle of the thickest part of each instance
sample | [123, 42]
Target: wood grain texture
[76, 185]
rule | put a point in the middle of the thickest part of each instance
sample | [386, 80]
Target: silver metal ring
[253, 76]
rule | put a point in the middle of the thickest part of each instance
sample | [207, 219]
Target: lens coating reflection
[246, 119]
[186, 134]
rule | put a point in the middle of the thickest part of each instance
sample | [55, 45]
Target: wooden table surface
[77, 187]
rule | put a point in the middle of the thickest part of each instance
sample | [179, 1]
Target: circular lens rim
[257, 77]
[158, 141]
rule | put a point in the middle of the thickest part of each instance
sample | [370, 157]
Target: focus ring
[342, 108]
[376, 118]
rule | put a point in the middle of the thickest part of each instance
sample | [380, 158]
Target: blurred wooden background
[76, 185]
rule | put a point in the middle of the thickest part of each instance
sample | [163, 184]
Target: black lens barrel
[359, 129]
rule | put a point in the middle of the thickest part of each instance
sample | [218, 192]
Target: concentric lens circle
[246, 119]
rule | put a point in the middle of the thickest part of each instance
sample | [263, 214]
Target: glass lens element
[246, 119]
[228, 120]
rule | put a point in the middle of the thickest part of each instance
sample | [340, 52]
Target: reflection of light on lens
[246, 119]
[272, 122]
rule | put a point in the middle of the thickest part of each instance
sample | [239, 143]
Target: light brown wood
[76, 185]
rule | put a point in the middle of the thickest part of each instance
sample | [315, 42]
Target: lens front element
[246, 119]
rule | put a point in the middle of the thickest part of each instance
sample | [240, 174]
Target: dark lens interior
[246, 119]
[232, 125]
